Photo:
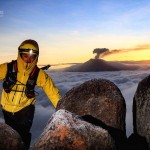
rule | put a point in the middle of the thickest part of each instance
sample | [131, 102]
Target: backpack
[11, 79]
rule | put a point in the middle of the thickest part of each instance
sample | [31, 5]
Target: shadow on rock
[136, 142]
[118, 135]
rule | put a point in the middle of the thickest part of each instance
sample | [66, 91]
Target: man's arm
[49, 87]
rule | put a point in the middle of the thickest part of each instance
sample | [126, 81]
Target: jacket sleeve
[46, 83]
[3, 71]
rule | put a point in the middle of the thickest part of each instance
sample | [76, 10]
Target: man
[18, 95]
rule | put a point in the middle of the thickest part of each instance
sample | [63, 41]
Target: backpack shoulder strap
[11, 76]
[12, 66]
[11, 69]
[30, 85]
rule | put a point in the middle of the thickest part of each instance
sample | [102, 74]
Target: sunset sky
[68, 30]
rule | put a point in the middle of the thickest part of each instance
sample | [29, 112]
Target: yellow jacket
[15, 101]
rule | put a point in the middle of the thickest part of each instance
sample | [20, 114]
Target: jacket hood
[27, 45]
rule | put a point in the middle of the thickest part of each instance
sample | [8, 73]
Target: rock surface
[99, 98]
[67, 131]
[141, 109]
[9, 138]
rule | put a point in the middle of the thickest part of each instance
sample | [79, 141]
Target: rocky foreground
[91, 117]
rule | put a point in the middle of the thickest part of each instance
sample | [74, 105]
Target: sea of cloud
[126, 81]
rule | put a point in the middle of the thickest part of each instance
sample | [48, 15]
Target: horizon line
[91, 58]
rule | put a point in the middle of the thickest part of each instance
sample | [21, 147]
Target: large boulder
[99, 98]
[141, 109]
[67, 131]
[9, 138]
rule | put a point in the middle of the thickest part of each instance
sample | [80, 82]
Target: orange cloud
[116, 51]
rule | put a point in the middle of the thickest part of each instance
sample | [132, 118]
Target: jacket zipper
[18, 94]
[21, 95]
[14, 93]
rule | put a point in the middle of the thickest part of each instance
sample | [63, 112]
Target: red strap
[33, 71]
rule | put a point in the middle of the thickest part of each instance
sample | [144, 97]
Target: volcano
[94, 65]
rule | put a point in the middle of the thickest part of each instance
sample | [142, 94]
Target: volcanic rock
[141, 109]
[99, 98]
[9, 138]
[67, 131]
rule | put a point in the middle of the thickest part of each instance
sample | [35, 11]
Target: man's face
[28, 58]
